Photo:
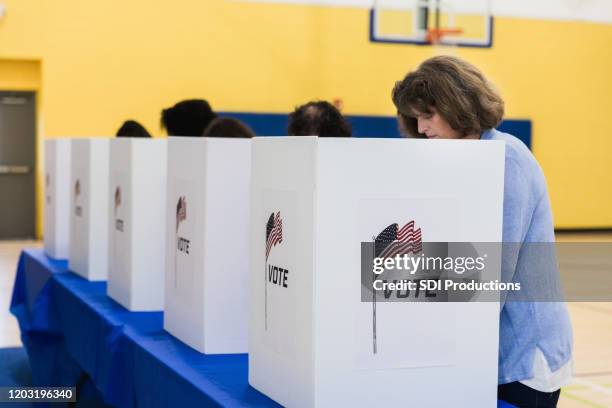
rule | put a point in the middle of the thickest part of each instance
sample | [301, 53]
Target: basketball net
[436, 34]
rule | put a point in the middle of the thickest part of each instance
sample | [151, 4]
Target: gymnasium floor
[592, 322]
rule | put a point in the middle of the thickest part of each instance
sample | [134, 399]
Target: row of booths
[190, 226]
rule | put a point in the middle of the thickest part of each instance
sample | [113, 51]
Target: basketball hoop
[435, 23]
[435, 35]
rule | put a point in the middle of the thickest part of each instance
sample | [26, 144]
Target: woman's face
[434, 126]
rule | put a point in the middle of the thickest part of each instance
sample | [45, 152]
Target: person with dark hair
[318, 118]
[228, 127]
[448, 98]
[187, 118]
[131, 128]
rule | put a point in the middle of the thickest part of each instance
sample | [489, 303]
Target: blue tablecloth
[70, 327]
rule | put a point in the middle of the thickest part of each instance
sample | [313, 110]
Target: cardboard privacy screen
[137, 223]
[89, 208]
[207, 243]
[57, 198]
[312, 340]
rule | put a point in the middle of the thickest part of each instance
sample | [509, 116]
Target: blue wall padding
[275, 124]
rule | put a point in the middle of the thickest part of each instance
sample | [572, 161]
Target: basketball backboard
[467, 23]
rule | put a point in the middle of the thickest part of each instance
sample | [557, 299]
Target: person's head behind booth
[131, 128]
[228, 127]
[187, 118]
[318, 118]
[446, 98]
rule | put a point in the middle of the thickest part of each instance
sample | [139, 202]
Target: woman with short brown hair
[454, 89]
[448, 98]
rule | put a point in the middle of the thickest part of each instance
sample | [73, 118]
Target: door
[17, 165]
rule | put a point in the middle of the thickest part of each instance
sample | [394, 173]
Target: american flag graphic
[274, 232]
[47, 185]
[181, 211]
[398, 241]
[390, 242]
[77, 189]
[117, 198]
[274, 236]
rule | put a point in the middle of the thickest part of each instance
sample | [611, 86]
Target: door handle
[8, 170]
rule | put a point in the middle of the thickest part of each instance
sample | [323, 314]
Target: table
[72, 330]
[70, 327]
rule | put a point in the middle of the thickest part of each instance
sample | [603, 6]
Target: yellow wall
[112, 60]
[21, 29]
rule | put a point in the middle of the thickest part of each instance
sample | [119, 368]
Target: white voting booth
[310, 336]
[207, 243]
[89, 208]
[57, 198]
[137, 223]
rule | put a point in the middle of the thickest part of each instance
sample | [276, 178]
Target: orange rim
[434, 35]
